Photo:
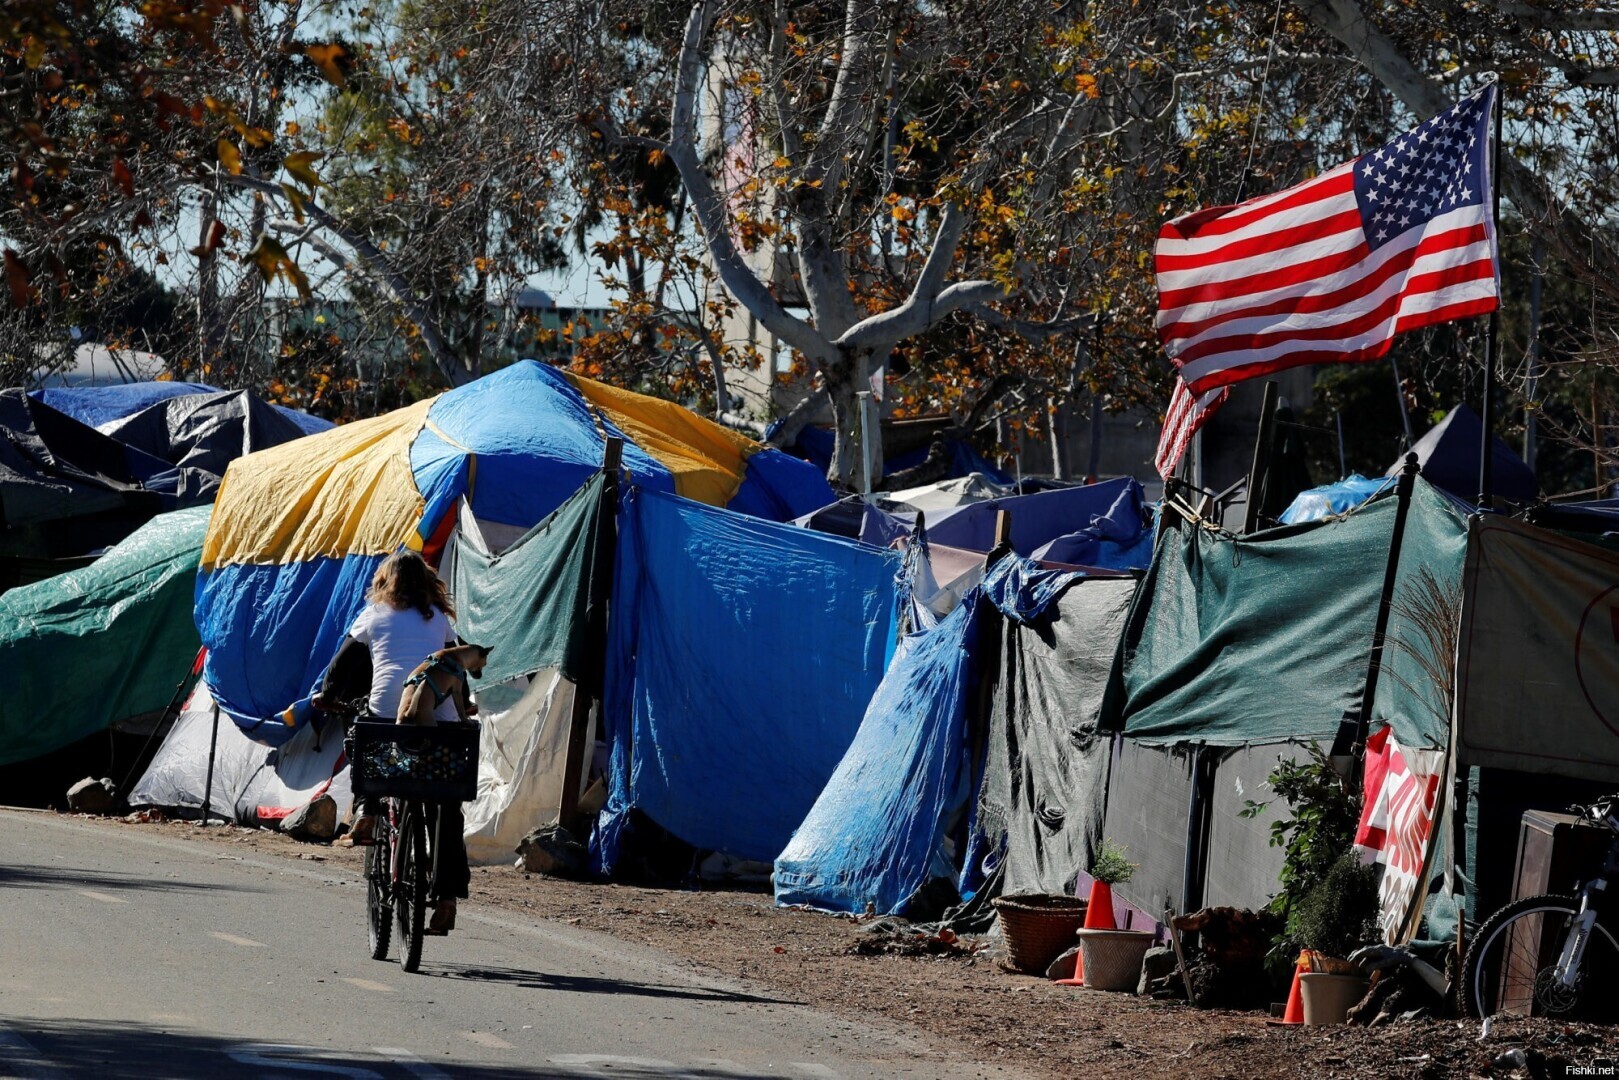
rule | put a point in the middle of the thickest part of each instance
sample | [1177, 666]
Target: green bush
[1339, 914]
[1110, 866]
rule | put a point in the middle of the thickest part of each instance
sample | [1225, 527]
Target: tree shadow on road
[46, 877]
[585, 984]
[73, 1049]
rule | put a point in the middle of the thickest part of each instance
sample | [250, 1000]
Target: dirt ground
[966, 1002]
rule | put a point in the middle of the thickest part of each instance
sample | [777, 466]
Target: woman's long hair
[404, 580]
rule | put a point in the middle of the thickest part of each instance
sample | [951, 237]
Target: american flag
[1186, 414]
[1330, 270]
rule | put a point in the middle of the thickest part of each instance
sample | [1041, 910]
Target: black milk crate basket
[403, 761]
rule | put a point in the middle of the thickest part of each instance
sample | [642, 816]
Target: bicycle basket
[401, 761]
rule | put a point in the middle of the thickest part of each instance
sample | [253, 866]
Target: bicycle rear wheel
[378, 887]
[1511, 965]
[410, 900]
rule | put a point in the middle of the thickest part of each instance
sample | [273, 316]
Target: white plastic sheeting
[247, 775]
[521, 758]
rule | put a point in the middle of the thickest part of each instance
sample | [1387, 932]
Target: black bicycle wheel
[378, 887]
[1511, 966]
[410, 899]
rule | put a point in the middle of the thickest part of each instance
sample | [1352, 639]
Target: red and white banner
[1397, 827]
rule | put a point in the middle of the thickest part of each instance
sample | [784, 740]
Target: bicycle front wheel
[410, 897]
[1512, 965]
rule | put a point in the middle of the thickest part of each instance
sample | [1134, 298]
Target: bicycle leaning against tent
[410, 767]
[1552, 955]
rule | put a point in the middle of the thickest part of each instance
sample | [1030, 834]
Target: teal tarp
[98, 644]
[1266, 638]
[530, 602]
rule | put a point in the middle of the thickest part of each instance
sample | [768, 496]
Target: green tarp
[1266, 638]
[102, 643]
[531, 602]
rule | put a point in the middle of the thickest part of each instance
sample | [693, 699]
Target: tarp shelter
[815, 444]
[102, 643]
[252, 783]
[1239, 640]
[1538, 657]
[201, 434]
[743, 655]
[298, 530]
[1104, 525]
[1449, 455]
[1240, 645]
[933, 768]
[65, 488]
[103, 406]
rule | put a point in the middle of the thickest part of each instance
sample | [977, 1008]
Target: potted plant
[1110, 959]
[1334, 919]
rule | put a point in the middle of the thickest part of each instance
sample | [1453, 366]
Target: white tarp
[247, 775]
[521, 757]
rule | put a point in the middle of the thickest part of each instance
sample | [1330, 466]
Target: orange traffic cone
[1294, 1013]
[1098, 916]
[1099, 911]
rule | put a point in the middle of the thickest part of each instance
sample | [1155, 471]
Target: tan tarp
[1538, 658]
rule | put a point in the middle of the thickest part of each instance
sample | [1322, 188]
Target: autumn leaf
[210, 239]
[229, 157]
[273, 261]
[17, 278]
[299, 165]
[124, 178]
[329, 58]
[296, 198]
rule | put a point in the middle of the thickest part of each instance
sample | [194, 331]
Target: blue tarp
[97, 405]
[875, 835]
[1104, 525]
[1330, 500]
[815, 444]
[743, 655]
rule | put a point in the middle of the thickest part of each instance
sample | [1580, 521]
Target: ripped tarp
[875, 835]
[1045, 778]
[742, 656]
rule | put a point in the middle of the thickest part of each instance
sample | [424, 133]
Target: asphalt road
[123, 954]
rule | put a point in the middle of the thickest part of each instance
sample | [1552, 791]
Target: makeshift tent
[201, 434]
[65, 488]
[894, 816]
[815, 444]
[252, 783]
[1237, 640]
[102, 643]
[743, 654]
[949, 494]
[1237, 647]
[298, 530]
[1538, 658]
[1449, 455]
[102, 406]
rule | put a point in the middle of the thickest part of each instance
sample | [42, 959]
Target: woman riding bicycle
[407, 618]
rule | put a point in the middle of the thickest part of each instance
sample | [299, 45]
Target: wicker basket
[435, 764]
[1038, 928]
[1113, 957]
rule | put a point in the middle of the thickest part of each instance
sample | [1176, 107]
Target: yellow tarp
[347, 491]
[708, 461]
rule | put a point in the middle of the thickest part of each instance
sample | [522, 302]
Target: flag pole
[1492, 329]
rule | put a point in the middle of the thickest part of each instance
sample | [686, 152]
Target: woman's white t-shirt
[400, 639]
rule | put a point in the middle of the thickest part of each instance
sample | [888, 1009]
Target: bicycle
[1551, 955]
[409, 767]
